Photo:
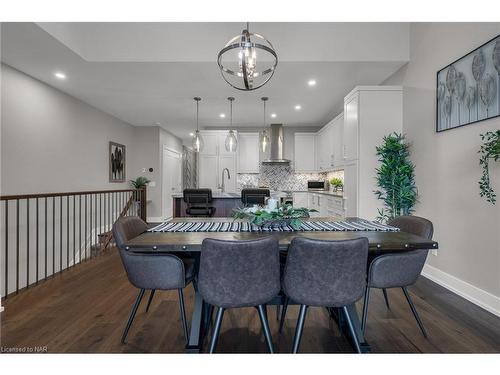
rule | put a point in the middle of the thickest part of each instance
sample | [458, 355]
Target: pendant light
[231, 140]
[197, 140]
[264, 138]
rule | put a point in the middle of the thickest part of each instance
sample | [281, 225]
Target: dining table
[380, 242]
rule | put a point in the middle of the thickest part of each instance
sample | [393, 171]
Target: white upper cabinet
[370, 113]
[329, 143]
[248, 153]
[351, 127]
[305, 155]
[338, 141]
[210, 142]
[212, 160]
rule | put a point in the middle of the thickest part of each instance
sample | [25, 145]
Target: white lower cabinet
[300, 199]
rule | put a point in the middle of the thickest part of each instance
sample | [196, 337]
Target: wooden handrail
[47, 195]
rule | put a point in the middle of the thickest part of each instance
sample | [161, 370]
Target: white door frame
[165, 193]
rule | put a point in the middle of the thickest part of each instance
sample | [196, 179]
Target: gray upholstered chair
[239, 274]
[150, 271]
[327, 274]
[399, 270]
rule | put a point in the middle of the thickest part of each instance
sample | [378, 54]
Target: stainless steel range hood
[276, 141]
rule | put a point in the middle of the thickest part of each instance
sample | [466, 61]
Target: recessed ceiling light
[60, 75]
[222, 115]
[191, 134]
[298, 107]
[273, 115]
[311, 82]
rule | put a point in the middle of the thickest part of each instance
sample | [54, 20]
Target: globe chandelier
[248, 61]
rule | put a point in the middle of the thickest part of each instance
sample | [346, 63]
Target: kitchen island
[224, 204]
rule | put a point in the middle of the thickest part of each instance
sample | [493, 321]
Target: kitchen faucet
[228, 177]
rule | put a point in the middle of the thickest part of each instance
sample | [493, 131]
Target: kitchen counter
[215, 195]
[339, 194]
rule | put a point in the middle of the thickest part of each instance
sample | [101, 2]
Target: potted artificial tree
[395, 178]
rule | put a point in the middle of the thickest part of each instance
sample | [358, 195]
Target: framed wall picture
[116, 162]
[468, 89]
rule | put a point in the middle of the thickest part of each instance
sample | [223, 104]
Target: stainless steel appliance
[317, 185]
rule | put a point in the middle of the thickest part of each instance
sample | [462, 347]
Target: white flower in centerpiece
[253, 209]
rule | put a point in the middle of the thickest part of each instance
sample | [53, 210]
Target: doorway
[171, 180]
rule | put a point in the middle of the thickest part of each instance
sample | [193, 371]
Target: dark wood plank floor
[84, 310]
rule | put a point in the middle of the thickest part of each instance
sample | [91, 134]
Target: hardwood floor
[85, 309]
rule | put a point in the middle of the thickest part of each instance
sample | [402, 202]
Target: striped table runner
[233, 226]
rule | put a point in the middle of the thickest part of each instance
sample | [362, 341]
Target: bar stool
[327, 274]
[399, 270]
[150, 271]
[254, 196]
[198, 202]
[239, 274]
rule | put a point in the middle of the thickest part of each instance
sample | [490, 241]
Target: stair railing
[44, 234]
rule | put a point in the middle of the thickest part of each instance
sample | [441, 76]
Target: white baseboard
[158, 219]
[470, 292]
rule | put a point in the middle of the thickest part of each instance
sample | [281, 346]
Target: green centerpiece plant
[490, 150]
[395, 178]
[265, 217]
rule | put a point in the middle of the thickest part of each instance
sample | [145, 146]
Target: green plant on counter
[395, 178]
[336, 182]
[285, 214]
[140, 182]
[490, 149]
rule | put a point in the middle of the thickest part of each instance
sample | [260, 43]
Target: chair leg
[365, 309]
[386, 298]
[283, 313]
[278, 312]
[414, 311]
[299, 329]
[132, 314]
[351, 329]
[265, 327]
[183, 315]
[150, 299]
[216, 330]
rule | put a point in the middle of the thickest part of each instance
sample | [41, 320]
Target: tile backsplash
[278, 177]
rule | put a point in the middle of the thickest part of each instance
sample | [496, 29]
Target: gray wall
[52, 142]
[148, 153]
[447, 168]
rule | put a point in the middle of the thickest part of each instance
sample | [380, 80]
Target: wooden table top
[191, 241]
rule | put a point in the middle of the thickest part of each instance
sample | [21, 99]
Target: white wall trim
[153, 219]
[470, 292]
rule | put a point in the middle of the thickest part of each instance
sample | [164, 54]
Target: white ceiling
[146, 73]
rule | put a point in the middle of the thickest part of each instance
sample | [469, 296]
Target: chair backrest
[415, 225]
[326, 273]
[199, 197]
[239, 273]
[148, 271]
[126, 228]
[254, 196]
[401, 269]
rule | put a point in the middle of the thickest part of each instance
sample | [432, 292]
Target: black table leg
[198, 319]
[197, 333]
[338, 315]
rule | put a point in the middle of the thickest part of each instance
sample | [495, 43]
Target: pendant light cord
[197, 114]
